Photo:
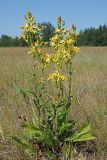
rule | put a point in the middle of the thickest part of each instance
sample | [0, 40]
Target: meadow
[89, 85]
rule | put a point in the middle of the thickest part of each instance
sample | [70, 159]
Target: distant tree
[15, 42]
[22, 42]
[5, 41]
[93, 36]
[48, 30]
[8, 41]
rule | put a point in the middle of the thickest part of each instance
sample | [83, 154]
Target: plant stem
[69, 81]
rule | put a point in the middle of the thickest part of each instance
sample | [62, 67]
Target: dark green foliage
[47, 32]
[93, 36]
[22, 42]
[8, 41]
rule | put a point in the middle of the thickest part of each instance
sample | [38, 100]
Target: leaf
[31, 131]
[85, 129]
[82, 132]
[28, 147]
[61, 118]
[86, 137]
[36, 133]
[65, 128]
[72, 138]
[83, 135]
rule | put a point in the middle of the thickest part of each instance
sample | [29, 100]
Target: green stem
[69, 80]
[54, 119]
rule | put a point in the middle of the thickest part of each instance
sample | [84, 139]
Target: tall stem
[69, 80]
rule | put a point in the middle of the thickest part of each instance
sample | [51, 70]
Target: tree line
[93, 36]
[88, 37]
[8, 41]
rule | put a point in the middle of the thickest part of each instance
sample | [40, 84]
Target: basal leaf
[86, 129]
[65, 127]
[80, 138]
[24, 143]
[85, 137]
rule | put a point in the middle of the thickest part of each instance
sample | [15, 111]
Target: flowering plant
[51, 134]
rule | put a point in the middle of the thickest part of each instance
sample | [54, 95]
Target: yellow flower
[47, 58]
[26, 27]
[57, 30]
[57, 77]
[31, 19]
[76, 49]
[66, 56]
[56, 38]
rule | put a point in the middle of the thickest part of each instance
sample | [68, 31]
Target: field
[89, 85]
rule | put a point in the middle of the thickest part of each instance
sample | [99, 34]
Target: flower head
[57, 77]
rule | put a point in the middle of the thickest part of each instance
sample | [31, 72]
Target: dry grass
[89, 84]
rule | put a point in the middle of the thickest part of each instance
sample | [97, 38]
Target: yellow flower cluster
[63, 42]
[57, 77]
[47, 57]
[76, 49]
[31, 32]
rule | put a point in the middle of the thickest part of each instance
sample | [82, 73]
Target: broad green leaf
[29, 126]
[85, 129]
[31, 130]
[85, 137]
[80, 138]
[65, 127]
[28, 147]
[72, 137]
[36, 133]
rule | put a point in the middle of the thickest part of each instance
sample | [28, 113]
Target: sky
[82, 13]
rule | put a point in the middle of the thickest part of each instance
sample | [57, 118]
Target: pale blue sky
[83, 13]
